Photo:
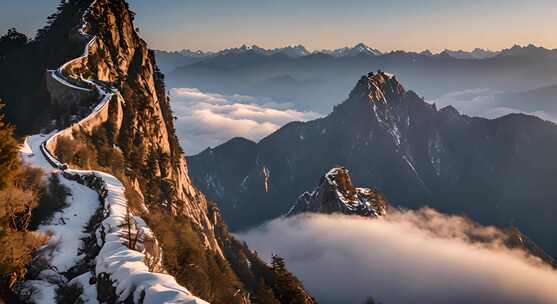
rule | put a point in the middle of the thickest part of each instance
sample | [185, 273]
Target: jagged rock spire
[336, 194]
[379, 87]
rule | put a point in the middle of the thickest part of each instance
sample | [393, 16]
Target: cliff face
[133, 137]
[122, 58]
[139, 116]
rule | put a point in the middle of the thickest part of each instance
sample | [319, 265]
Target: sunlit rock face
[336, 194]
[139, 114]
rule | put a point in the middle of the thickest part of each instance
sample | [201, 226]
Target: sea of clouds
[483, 103]
[409, 257]
[207, 119]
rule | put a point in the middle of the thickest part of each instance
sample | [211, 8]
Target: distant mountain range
[296, 51]
[317, 81]
[170, 60]
[475, 54]
[499, 171]
[293, 51]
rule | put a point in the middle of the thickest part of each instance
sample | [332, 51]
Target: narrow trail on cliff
[123, 269]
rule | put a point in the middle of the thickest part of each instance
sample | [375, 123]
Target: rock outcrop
[336, 194]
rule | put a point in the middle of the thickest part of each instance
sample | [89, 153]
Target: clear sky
[385, 24]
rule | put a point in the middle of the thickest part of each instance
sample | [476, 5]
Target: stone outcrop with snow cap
[336, 194]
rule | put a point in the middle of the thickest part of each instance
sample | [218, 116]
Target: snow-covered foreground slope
[124, 268]
[66, 228]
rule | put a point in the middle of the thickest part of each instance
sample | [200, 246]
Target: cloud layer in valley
[207, 120]
[410, 257]
[484, 103]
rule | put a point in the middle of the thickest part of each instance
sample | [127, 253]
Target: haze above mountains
[170, 60]
[489, 84]
[360, 48]
[316, 81]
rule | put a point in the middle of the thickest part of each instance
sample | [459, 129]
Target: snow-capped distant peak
[362, 48]
[294, 51]
[477, 53]
[518, 50]
[427, 53]
[245, 48]
[191, 53]
[358, 49]
[249, 47]
[254, 48]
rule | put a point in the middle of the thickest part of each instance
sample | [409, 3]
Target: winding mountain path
[125, 267]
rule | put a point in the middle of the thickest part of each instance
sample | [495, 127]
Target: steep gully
[124, 268]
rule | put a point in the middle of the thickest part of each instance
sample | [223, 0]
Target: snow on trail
[32, 155]
[89, 291]
[45, 292]
[66, 227]
[126, 267]
[55, 75]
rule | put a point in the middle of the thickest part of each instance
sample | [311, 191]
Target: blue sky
[387, 25]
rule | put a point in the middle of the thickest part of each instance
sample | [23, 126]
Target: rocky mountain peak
[336, 194]
[363, 48]
[339, 178]
[357, 50]
[378, 87]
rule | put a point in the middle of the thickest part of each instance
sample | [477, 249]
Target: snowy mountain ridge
[293, 51]
[476, 53]
[358, 49]
[296, 51]
[125, 267]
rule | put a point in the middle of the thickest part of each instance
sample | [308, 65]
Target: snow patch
[67, 226]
